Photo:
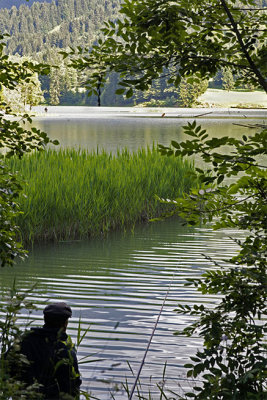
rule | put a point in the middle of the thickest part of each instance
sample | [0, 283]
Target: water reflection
[113, 131]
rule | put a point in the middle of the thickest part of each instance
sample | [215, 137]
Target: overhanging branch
[253, 67]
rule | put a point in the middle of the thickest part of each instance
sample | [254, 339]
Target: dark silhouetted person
[52, 361]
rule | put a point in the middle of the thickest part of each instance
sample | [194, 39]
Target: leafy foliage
[232, 364]
[194, 37]
[9, 191]
[15, 139]
[25, 93]
[189, 92]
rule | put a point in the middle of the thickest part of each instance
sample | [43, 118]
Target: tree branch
[254, 68]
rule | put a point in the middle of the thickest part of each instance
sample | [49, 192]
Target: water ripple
[116, 286]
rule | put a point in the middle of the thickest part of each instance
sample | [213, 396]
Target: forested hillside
[61, 23]
[18, 3]
[39, 30]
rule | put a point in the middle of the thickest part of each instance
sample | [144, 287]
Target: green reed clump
[74, 194]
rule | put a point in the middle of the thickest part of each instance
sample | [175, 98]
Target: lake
[112, 128]
[117, 285]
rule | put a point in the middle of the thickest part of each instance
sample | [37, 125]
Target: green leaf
[175, 144]
[188, 366]
[220, 179]
[129, 93]
[120, 91]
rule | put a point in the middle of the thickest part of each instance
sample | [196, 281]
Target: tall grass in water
[73, 194]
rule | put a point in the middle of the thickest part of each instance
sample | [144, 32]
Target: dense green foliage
[75, 194]
[186, 38]
[39, 28]
[15, 139]
[232, 364]
[9, 211]
[25, 93]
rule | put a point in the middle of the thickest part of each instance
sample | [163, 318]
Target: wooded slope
[18, 3]
[59, 23]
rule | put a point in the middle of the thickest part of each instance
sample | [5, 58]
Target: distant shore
[81, 112]
[216, 103]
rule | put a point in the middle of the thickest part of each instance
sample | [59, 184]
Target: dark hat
[58, 309]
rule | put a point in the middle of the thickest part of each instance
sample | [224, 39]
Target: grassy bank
[74, 194]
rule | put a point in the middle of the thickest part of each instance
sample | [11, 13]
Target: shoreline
[83, 112]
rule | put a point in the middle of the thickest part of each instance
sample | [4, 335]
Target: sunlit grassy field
[74, 194]
[223, 98]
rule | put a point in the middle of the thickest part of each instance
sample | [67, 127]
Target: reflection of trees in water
[132, 133]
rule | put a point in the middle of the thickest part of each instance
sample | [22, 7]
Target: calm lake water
[116, 285]
[113, 128]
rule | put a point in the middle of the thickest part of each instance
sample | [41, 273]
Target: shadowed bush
[74, 194]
